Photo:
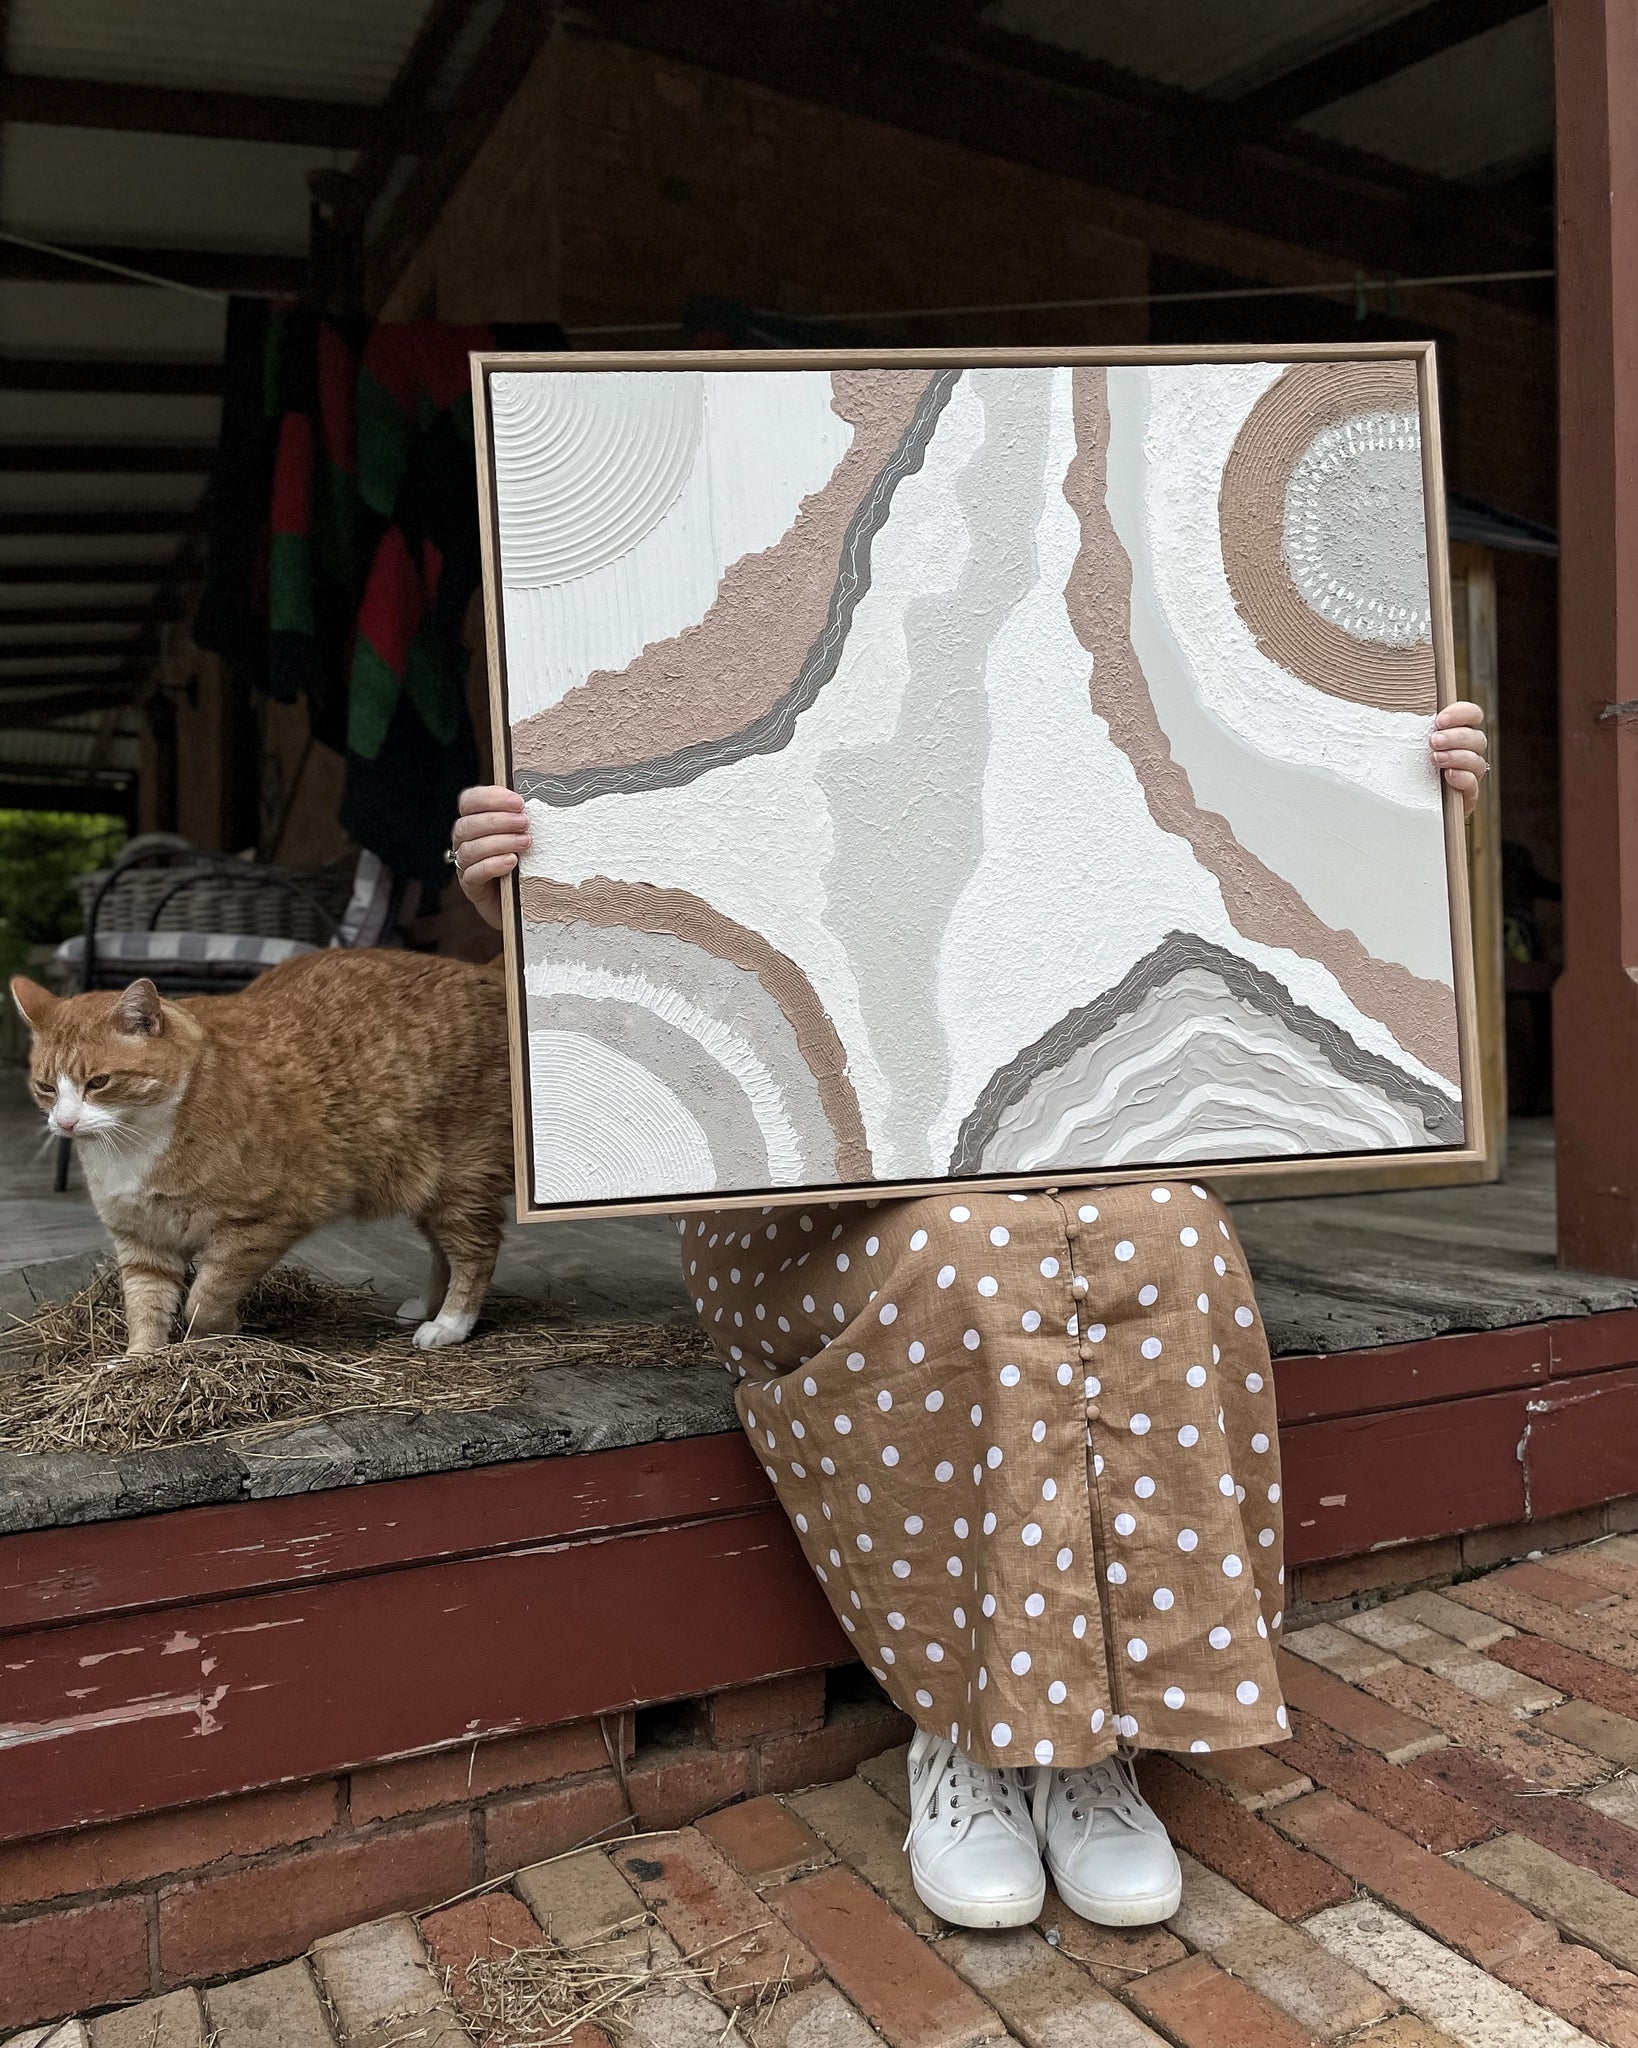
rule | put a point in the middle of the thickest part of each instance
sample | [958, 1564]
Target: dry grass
[308, 1350]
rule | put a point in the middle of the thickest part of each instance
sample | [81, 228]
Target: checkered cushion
[201, 953]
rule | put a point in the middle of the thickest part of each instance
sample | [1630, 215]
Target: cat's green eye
[96, 1081]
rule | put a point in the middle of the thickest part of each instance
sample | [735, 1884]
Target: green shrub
[42, 854]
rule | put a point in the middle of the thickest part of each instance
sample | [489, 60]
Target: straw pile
[308, 1350]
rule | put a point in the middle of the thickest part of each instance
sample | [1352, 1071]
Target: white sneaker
[974, 1857]
[1110, 1856]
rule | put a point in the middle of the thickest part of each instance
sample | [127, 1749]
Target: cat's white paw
[414, 1310]
[445, 1329]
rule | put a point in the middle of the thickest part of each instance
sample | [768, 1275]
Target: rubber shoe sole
[980, 1913]
[1146, 1910]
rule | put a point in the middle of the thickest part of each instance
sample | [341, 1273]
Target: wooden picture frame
[1469, 1159]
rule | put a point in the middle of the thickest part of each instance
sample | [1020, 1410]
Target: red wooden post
[1595, 1009]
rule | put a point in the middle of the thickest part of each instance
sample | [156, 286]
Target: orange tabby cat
[216, 1131]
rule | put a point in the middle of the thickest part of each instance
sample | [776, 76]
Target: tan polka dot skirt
[1028, 1445]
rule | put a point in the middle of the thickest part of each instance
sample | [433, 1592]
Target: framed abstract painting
[1004, 768]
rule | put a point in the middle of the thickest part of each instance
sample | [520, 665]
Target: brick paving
[1445, 1853]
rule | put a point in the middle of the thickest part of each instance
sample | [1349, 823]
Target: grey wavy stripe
[772, 729]
[1176, 953]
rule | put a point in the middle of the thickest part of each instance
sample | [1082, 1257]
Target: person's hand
[1460, 750]
[490, 836]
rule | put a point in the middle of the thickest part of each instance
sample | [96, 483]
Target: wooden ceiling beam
[1006, 95]
[213, 270]
[82, 572]
[105, 458]
[1380, 53]
[178, 110]
[157, 377]
[76, 615]
[46, 707]
[404, 116]
[88, 525]
[53, 650]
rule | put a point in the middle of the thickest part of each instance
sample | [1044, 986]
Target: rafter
[902, 62]
[105, 458]
[75, 615]
[155, 377]
[404, 116]
[89, 525]
[54, 650]
[177, 110]
[1381, 53]
[81, 572]
[212, 270]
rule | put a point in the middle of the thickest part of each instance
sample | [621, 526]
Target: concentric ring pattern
[585, 466]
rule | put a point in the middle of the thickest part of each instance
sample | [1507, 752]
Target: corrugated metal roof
[1200, 45]
[71, 746]
[1482, 106]
[96, 185]
[118, 320]
[327, 49]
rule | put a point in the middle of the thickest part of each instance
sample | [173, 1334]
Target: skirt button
[1092, 1411]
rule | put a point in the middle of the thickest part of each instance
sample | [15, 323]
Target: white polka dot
[1001, 1734]
[1009, 1375]
[992, 1457]
[988, 1604]
[1246, 1693]
[1125, 1250]
[901, 1568]
[1188, 1436]
[1049, 1269]
[1057, 1692]
[1259, 1443]
[807, 1301]
[1035, 1604]
[918, 1239]
[894, 1618]
[1095, 1333]
[888, 1312]
[1217, 1263]
[1116, 1574]
[1065, 1374]
[1049, 1489]
[946, 1274]
[935, 1653]
[971, 1339]
[1266, 1538]
[923, 1697]
[1188, 1235]
[1225, 1485]
[1244, 1318]
[842, 1263]
[1126, 1724]
[1273, 1493]
[1144, 1488]
[1164, 1598]
[1020, 1663]
[1137, 1649]
[1031, 1533]
[1150, 1347]
[989, 1525]
[933, 1401]
[960, 1525]
[1139, 1424]
[1187, 1539]
[943, 1471]
[959, 1214]
[810, 1385]
[1232, 1567]
[1087, 1212]
[1077, 1628]
[842, 1425]
[1092, 1386]
[855, 1361]
[890, 1454]
[988, 1285]
[1096, 1722]
[1174, 1696]
[1279, 1715]
[1043, 1751]
[1149, 1294]
[975, 1415]
[1254, 1383]
[872, 1246]
[1038, 1432]
[1125, 1524]
[1160, 1194]
[1064, 1559]
[1031, 1320]
[1196, 1375]
[999, 1234]
[864, 1541]
[884, 1400]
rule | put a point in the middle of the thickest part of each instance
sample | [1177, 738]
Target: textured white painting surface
[963, 772]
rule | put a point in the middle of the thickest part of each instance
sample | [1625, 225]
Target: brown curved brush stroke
[1307, 398]
[714, 678]
[638, 906]
[1264, 906]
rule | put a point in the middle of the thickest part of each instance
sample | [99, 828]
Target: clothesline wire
[1359, 285]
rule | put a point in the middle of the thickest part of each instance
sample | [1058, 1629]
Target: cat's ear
[36, 1003]
[138, 1011]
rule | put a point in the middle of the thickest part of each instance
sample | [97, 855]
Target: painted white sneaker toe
[1106, 1847]
[974, 1858]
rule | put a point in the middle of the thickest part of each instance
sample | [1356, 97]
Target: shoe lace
[1109, 1786]
[968, 1789]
